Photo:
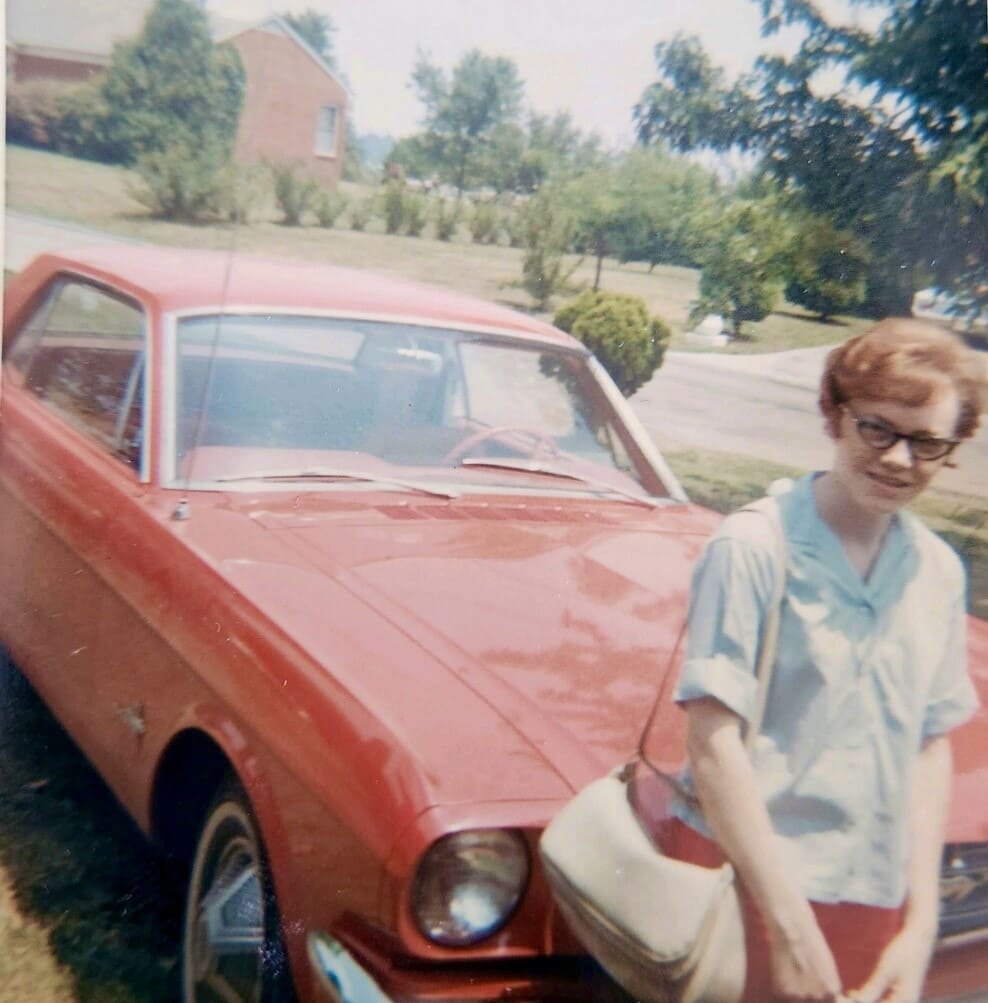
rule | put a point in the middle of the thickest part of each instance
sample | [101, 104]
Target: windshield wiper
[531, 467]
[333, 474]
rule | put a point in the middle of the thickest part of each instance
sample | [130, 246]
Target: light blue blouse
[866, 671]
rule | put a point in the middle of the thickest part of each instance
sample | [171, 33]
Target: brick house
[295, 106]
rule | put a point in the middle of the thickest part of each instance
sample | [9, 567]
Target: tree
[317, 30]
[598, 208]
[616, 327]
[827, 268]
[170, 86]
[464, 110]
[743, 262]
[547, 235]
[664, 202]
[874, 156]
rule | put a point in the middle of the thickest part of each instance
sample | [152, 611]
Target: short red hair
[907, 361]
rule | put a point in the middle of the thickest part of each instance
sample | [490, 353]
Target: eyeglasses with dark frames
[881, 435]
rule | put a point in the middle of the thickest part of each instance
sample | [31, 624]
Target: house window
[326, 131]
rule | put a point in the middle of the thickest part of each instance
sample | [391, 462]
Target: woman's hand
[803, 967]
[901, 970]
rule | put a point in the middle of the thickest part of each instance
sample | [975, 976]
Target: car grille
[964, 889]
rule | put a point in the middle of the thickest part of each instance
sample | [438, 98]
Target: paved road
[26, 236]
[762, 405]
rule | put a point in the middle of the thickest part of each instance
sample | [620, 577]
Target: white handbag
[665, 930]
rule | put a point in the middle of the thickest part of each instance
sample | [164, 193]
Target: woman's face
[879, 480]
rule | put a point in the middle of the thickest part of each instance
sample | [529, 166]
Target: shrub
[827, 272]
[294, 191]
[416, 214]
[244, 189]
[394, 205]
[447, 218]
[171, 85]
[618, 330]
[328, 208]
[182, 183]
[547, 234]
[34, 110]
[361, 213]
[514, 227]
[85, 126]
[483, 223]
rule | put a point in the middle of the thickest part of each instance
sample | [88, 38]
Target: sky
[593, 58]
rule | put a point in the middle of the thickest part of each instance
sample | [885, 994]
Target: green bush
[547, 234]
[172, 85]
[514, 227]
[85, 126]
[483, 223]
[186, 184]
[361, 213]
[295, 192]
[34, 110]
[827, 271]
[618, 330]
[394, 205]
[447, 218]
[328, 208]
[245, 189]
[416, 214]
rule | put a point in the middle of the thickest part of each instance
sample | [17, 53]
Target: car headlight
[468, 884]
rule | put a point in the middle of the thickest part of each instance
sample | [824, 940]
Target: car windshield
[265, 399]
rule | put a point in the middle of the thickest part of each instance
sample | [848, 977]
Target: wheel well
[191, 769]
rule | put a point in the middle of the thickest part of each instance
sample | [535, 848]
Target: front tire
[232, 948]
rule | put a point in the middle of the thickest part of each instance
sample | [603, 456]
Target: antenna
[181, 511]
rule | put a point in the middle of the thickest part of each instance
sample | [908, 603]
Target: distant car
[346, 585]
[945, 308]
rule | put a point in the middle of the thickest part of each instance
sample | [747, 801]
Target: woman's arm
[802, 964]
[902, 968]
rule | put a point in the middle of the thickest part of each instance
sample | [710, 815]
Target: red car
[345, 585]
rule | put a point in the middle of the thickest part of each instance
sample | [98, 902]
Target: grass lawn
[100, 196]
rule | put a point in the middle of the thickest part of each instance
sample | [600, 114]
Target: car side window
[82, 354]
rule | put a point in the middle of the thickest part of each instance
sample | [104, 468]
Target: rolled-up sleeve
[730, 592]
[952, 699]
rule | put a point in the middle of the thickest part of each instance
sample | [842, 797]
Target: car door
[72, 464]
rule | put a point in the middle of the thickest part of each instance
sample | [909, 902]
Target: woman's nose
[898, 454]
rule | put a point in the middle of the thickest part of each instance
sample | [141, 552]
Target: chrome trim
[963, 939]
[339, 972]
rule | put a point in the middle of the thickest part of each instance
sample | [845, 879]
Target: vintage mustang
[345, 585]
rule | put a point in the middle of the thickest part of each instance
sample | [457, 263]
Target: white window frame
[328, 131]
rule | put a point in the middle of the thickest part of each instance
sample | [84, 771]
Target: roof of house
[179, 279]
[86, 30]
[82, 28]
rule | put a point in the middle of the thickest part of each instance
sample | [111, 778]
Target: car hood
[538, 634]
[529, 635]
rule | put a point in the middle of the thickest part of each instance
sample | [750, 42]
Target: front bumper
[342, 977]
[959, 975]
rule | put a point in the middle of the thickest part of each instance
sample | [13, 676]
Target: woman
[835, 826]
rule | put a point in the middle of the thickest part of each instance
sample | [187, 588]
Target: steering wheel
[539, 442]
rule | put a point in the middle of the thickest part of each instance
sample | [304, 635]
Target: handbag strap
[766, 508]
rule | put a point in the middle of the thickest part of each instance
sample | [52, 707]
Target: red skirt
[857, 934]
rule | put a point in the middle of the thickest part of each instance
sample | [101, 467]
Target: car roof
[180, 279]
